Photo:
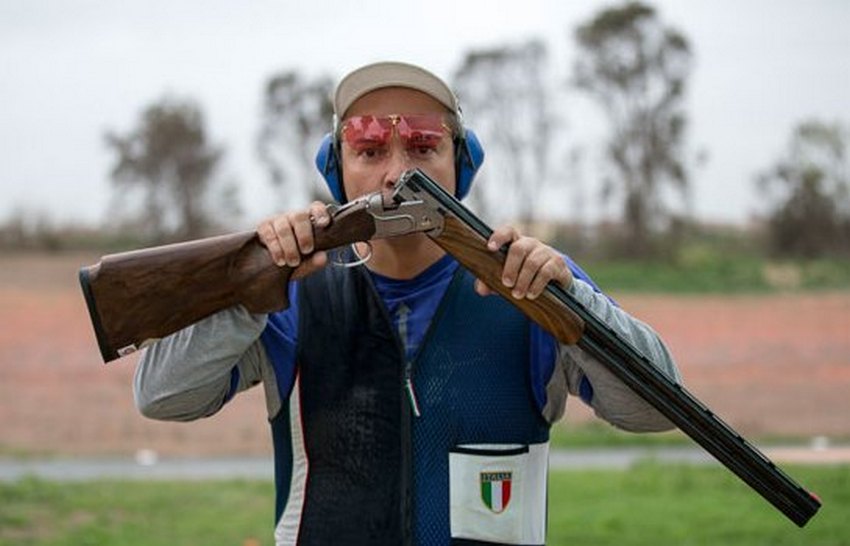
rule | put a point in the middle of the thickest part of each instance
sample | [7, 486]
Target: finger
[564, 275]
[482, 289]
[553, 270]
[319, 213]
[285, 233]
[517, 253]
[501, 236]
[268, 237]
[302, 228]
[537, 255]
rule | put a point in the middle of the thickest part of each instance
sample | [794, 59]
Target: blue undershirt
[411, 304]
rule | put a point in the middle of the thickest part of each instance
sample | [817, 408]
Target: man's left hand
[529, 265]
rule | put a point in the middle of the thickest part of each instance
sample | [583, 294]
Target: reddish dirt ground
[768, 365]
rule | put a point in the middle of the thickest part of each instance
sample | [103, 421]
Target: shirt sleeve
[192, 373]
[586, 377]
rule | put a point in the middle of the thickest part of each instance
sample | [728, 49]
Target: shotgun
[137, 297]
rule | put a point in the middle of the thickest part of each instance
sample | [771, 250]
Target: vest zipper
[407, 461]
[411, 408]
[408, 387]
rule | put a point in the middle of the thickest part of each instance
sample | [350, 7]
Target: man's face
[389, 131]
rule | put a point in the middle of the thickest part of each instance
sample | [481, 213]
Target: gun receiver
[465, 237]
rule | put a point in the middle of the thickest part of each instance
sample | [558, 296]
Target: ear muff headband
[469, 155]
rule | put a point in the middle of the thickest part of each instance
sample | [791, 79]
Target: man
[407, 404]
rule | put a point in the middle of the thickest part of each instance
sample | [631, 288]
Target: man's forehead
[395, 100]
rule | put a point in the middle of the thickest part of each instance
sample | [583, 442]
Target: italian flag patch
[496, 490]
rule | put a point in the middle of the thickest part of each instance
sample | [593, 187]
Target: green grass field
[713, 272]
[650, 504]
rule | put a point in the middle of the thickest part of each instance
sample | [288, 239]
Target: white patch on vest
[483, 512]
[287, 529]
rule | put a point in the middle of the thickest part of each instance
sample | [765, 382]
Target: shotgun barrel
[557, 311]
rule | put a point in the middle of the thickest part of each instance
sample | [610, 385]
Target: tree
[296, 116]
[636, 69]
[169, 156]
[808, 192]
[503, 89]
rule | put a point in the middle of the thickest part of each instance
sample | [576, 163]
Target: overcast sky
[72, 69]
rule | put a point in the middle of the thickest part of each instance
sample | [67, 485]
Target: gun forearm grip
[470, 249]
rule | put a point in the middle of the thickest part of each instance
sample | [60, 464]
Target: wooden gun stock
[137, 297]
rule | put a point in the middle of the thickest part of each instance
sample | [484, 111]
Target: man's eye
[372, 152]
[423, 150]
[368, 149]
[423, 144]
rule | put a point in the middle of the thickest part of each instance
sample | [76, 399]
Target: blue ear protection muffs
[469, 155]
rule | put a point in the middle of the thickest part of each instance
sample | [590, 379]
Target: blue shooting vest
[377, 473]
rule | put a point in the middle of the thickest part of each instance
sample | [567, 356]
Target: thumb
[482, 289]
[316, 261]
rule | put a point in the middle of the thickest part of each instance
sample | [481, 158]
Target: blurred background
[655, 116]
[693, 156]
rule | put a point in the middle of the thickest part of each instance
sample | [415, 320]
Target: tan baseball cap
[390, 74]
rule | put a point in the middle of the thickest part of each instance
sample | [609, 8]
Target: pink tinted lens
[417, 128]
[413, 129]
[359, 131]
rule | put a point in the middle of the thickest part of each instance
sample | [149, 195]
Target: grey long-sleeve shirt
[190, 374]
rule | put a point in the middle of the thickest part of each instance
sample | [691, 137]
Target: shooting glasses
[373, 133]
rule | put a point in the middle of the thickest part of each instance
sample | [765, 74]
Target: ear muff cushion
[327, 162]
[469, 157]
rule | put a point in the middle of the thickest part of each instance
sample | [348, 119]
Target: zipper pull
[408, 387]
[411, 396]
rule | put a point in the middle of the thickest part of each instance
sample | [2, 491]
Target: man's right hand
[289, 238]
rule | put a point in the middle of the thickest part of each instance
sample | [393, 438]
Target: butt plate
[106, 351]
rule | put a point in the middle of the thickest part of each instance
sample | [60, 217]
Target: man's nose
[398, 162]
